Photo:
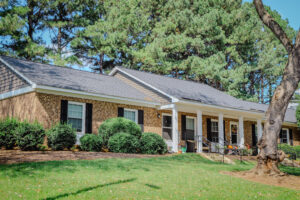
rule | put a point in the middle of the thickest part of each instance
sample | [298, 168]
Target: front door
[190, 133]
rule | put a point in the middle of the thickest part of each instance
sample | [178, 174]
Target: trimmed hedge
[152, 143]
[123, 143]
[117, 125]
[91, 142]
[290, 150]
[30, 136]
[61, 136]
[7, 132]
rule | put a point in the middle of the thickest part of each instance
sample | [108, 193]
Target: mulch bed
[17, 156]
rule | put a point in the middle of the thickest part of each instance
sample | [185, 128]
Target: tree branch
[273, 25]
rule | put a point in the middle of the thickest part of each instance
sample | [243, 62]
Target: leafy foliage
[152, 143]
[220, 43]
[29, 136]
[116, 125]
[91, 142]
[7, 130]
[123, 143]
[61, 136]
[290, 150]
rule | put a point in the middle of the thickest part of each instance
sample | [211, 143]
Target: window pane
[167, 121]
[75, 115]
[167, 133]
[130, 115]
[190, 124]
[76, 123]
[75, 111]
[214, 132]
[284, 138]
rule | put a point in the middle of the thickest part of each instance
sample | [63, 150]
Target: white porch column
[241, 132]
[259, 129]
[175, 129]
[199, 131]
[221, 129]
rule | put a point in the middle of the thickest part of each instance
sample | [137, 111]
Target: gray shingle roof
[189, 90]
[67, 78]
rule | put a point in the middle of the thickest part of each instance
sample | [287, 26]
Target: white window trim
[287, 134]
[135, 111]
[195, 125]
[237, 124]
[83, 114]
[162, 124]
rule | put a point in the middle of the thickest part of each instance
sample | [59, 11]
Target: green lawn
[177, 177]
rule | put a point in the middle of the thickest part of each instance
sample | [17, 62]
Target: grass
[186, 176]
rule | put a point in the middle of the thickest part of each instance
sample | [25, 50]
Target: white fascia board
[16, 92]
[174, 99]
[18, 73]
[94, 96]
[168, 106]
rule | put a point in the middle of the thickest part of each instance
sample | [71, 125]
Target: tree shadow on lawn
[35, 169]
[89, 189]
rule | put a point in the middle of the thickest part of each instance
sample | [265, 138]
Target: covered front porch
[194, 126]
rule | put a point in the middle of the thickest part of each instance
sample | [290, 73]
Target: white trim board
[16, 92]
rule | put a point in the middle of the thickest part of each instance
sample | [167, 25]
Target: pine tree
[21, 28]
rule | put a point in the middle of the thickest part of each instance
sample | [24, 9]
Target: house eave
[94, 96]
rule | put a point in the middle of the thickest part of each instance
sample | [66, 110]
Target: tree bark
[269, 157]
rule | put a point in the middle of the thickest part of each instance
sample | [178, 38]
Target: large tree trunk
[268, 157]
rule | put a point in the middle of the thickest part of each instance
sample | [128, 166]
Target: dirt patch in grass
[288, 181]
[17, 156]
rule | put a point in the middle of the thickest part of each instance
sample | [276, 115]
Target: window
[234, 133]
[284, 136]
[131, 114]
[214, 131]
[167, 127]
[76, 115]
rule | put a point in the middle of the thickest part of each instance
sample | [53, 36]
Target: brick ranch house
[178, 110]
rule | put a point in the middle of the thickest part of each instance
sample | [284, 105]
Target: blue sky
[289, 9]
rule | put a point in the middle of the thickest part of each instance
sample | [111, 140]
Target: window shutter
[254, 138]
[183, 127]
[120, 112]
[280, 135]
[64, 111]
[141, 119]
[208, 121]
[88, 117]
[291, 136]
[224, 135]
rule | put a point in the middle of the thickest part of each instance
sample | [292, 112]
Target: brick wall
[45, 108]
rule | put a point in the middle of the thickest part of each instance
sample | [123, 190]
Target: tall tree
[268, 157]
[111, 40]
[63, 19]
[21, 27]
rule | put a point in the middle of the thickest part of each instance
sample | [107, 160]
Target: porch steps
[215, 157]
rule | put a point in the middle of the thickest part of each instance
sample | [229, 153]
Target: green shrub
[91, 142]
[29, 136]
[118, 125]
[61, 136]
[123, 143]
[290, 150]
[152, 143]
[7, 129]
